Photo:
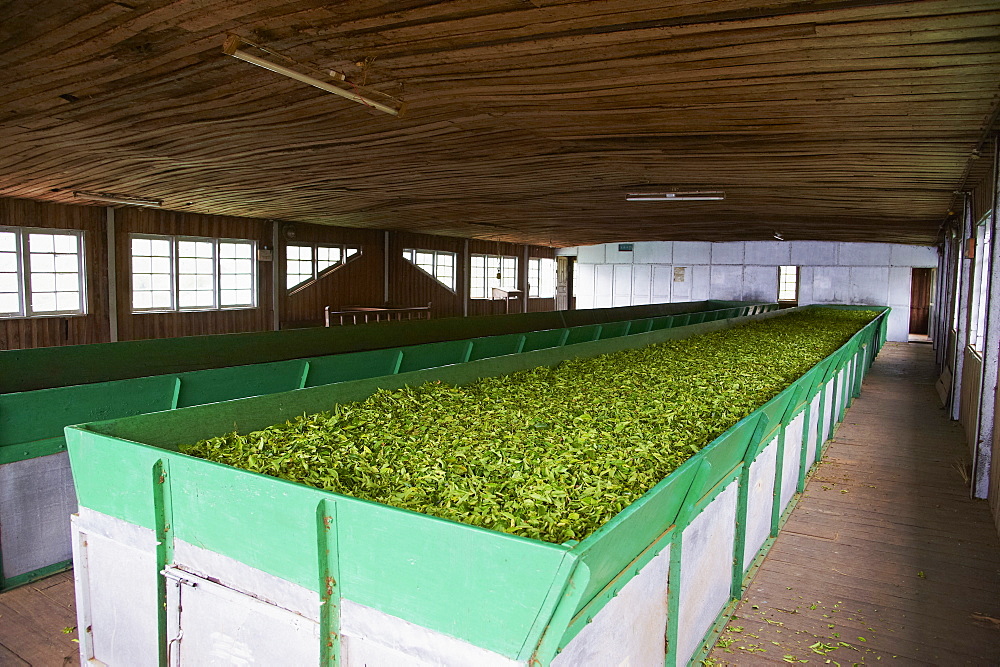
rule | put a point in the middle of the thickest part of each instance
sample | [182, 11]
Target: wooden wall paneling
[357, 283]
[410, 286]
[20, 333]
[138, 326]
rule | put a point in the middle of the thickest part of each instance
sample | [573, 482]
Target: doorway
[921, 281]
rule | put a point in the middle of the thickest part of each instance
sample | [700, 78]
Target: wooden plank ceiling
[526, 120]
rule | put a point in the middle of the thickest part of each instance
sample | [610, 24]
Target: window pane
[152, 274]
[9, 303]
[41, 243]
[44, 302]
[53, 291]
[10, 281]
[8, 242]
[196, 274]
[327, 257]
[299, 265]
[237, 273]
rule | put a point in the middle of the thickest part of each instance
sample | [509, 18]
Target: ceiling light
[778, 236]
[702, 195]
[389, 105]
[118, 199]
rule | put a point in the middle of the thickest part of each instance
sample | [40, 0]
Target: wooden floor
[885, 560]
[38, 624]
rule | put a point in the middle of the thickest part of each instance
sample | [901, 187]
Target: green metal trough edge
[561, 586]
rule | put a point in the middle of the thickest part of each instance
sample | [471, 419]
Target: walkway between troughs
[885, 560]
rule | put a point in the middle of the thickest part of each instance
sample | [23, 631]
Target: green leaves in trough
[549, 453]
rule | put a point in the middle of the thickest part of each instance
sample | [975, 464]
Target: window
[980, 284]
[485, 269]
[541, 278]
[439, 264]
[788, 284]
[191, 273]
[50, 282]
[307, 262]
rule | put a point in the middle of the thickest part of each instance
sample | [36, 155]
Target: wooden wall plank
[20, 333]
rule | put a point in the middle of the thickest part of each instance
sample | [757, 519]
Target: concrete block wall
[829, 272]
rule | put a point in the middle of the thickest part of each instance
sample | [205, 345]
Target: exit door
[920, 300]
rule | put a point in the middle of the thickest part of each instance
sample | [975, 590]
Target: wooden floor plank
[884, 552]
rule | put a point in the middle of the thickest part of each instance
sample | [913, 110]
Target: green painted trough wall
[113, 380]
[522, 599]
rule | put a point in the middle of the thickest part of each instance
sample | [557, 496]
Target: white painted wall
[829, 272]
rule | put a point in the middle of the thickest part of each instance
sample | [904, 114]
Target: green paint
[502, 592]
[34, 575]
[40, 368]
[32, 450]
[328, 548]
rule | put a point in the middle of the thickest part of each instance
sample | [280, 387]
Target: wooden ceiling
[526, 120]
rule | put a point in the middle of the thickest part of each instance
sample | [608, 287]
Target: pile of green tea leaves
[548, 453]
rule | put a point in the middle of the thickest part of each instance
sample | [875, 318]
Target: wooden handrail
[366, 314]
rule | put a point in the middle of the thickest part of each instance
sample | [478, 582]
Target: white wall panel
[591, 254]
[603, 284]
[869, 285]
[631, 628]
[700, 282]
[727, 253]
[615, 256]
[583, 285]
[692, 252]
[899, 286]
[864, 254]
[773, 253]
[663, 278]
[621, 292]
[831, 284]
[641, 283]
[654, 252]
[727, 282]
[813, 253]
[913, 255]
[829, 272]
[760, 283]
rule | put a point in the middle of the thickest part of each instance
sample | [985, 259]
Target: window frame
[23, 273]
[486, 257]
[534, 291]
[453, 288]
[175, 274]
[798, 274]
[980, 282]
[314, 261]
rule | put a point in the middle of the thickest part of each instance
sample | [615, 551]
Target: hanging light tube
[118, 199]
[704, 195]
[231, 48]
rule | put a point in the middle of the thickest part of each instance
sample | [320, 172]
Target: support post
[275, 275]
[964, 292]
[385, 270]
[466, 270]
[991, 346]
[524, 274]
[112, 274]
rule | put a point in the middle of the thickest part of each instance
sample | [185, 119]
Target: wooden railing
[364, 314]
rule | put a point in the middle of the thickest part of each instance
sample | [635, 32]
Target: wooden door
[920, 300]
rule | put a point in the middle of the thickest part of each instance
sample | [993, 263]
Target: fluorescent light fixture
[388, 104]
[118, 199]
[698, 195]
[778, 236]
